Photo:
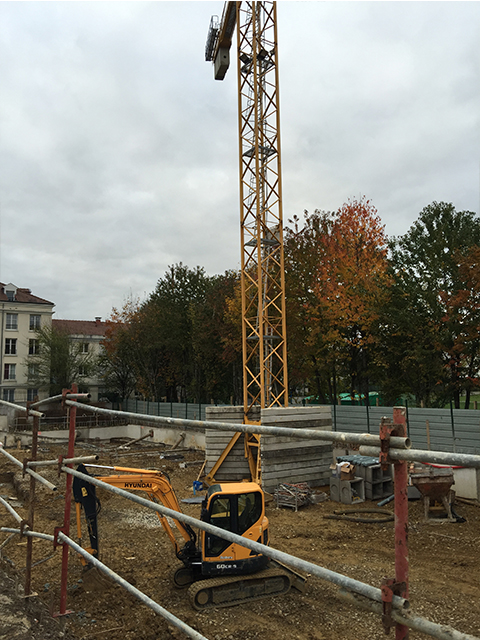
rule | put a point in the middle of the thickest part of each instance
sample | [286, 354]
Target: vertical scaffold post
[68, 502]
[401, 517]
[31, 507]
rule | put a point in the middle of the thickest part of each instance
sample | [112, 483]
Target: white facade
[89, 333]
[22, 314]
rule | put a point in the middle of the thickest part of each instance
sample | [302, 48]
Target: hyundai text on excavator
[218, 573]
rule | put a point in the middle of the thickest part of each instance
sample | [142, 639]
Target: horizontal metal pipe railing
[51, 463]
[30, 534]
[417, 623]
[311, 434]
[436, 457]
[61, 537]
[68, 396]
[171, 619]
[19, 407]
[302, 565]
[31, 472]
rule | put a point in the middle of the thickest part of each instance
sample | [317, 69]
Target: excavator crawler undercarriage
[227, 592]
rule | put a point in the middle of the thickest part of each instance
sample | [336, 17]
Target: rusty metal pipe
[422, 625]
[313, 434]
[31, 510]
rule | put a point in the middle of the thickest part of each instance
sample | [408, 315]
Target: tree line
[400, 316]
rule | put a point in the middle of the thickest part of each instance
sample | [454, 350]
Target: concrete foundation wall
[193, 439]
[283, 459]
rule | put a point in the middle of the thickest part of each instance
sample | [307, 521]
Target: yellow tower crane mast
[265, 382]
[261, 217]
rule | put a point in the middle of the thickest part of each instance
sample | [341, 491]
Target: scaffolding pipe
[24, 409]
[51, 463]
[30, 534]
[11, 510]
[418, 455]
[34, 474]
[68, 502]
[422, 625]
[400, 485]
[173, 620]
[69, 396]
[301, 565]
[31, 509]
[329, 436]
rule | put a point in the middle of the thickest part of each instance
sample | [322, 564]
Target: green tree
[215, 375]
[117, 364]
[59, 363]
[430, 313]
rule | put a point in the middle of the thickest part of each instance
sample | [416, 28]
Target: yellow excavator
[218, 573]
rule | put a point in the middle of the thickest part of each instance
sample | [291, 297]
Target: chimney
[98, 320]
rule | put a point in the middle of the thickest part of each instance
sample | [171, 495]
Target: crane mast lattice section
[262, 261]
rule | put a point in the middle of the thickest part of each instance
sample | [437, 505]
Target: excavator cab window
[221, 516]
[236, 513]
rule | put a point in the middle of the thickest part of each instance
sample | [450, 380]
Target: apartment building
[89, 333]
[22, 314]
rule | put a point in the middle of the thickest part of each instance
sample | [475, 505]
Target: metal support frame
[68, 502]
[265, 381]
[398, 585]
[31, 507]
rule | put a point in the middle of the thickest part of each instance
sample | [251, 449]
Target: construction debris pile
[293, 495]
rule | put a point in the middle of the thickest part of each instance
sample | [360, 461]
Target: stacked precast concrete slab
[283, 459]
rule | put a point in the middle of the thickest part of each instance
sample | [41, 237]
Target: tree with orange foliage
[338, 271]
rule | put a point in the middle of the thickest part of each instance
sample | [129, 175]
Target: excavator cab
[237, 507]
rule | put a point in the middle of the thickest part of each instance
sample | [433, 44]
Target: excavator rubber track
[228, 592]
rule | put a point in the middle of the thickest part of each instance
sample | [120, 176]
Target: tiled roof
[23, 295]
[81, 327]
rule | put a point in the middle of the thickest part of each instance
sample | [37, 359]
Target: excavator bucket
[85, 496]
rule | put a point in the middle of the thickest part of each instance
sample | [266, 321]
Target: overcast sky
[119, 151]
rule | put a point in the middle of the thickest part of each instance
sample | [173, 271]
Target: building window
[9, 395]
[33, 347]
[10, 346]
[31, 394]
[34, 322]
[33, 370]
[82, 370]
[12, 321]
[85, 347]
[9, 372]
[10, 295]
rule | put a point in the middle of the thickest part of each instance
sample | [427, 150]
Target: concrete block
[347, 491]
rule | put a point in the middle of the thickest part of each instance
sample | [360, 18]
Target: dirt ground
[444, 565]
